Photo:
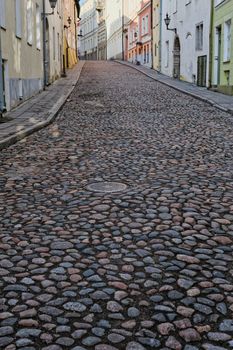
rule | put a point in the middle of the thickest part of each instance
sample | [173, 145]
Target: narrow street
[147, 267]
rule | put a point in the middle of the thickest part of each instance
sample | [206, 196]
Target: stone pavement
[38, 111]
[218, 100]
[149, 267]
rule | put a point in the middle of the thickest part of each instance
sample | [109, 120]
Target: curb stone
[212, 103]
[52, 114]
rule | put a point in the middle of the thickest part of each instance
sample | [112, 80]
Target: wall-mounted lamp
[80, 33]
[167, 21]
[53, 4]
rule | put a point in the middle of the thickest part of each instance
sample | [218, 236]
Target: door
[47, 54]
[217, 55]
[176, 58]
[2, 87]
[201, 70]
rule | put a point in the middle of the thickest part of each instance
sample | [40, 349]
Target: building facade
[102, 30]
[22, 59]
[31, 60]
[185, 48]
[89, 29]
[114, 26]
[53, 41]
[222, 46]
[156, 34]
[70, 20]
[144, 34]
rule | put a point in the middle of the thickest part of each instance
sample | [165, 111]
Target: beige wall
[55, 23]
[70, 38]
[22, 61]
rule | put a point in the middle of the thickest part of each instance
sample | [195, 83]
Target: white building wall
[114, 24]
[185, 15]
[89, 28]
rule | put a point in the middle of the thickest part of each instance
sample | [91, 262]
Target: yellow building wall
[70, 34]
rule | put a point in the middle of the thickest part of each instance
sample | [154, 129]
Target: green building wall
[222, 13]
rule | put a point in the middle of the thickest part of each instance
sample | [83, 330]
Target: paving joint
[51, 113]
[167, 83]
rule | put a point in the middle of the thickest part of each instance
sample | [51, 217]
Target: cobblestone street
[149, 267]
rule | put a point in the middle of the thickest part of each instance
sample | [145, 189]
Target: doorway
[217, 55]
[176, 58]
[47, 54]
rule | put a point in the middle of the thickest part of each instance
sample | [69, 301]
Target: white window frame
[29, 16]
[18, 19]
[167, 54]
[3, 14]
[38, 27]
[227, 41]
[199, 36]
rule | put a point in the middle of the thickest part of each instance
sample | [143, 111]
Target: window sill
[227, 61]
[18, 37]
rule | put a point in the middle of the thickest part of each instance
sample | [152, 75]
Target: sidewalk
[38, 111]
[216, 99]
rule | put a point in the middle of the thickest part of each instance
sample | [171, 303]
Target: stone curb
[212, 103]
[52, 114]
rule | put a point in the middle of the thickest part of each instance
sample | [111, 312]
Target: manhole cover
[107, 187]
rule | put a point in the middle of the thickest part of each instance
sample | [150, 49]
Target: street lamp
[80, 33]
[167, 21]
[53, 4]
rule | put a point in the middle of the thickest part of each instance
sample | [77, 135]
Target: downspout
[211, 44]
[152, 35]
[44, 44]
[160, 35]
[1, 78]
[123, 48]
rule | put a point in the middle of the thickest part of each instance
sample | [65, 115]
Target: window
[217, 2]
[199, 37]
[167, 54]
[29, 22]
[54, 44]
[147, 24]
[18, 19]
[227, 40]
[3, 13]
[58, 45]
[143, 26]
[38, 34]
[155, 52]
[147, 55]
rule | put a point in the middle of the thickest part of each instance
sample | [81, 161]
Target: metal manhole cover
[106, 187]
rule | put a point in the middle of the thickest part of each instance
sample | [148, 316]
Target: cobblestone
[149, 267]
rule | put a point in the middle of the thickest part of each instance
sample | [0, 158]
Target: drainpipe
[152, 34]
[44, 43]
[160, 34]
[1, 78]
[211, 44]
[123, 48]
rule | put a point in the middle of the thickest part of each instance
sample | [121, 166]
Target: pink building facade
[139, 36]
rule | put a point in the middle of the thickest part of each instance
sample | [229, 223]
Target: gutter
[211, 45]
